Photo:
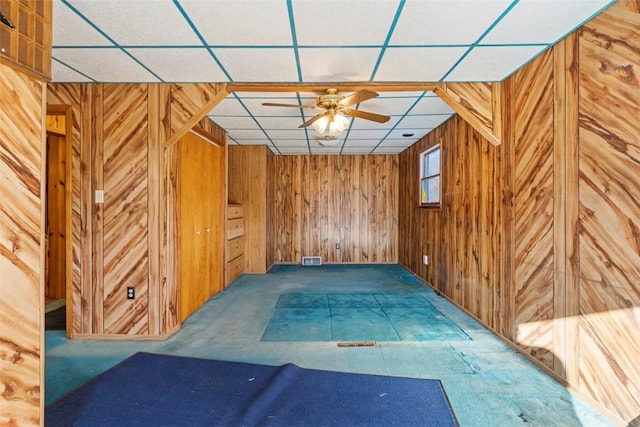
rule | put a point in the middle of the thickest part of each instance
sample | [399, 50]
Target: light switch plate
[99, 197]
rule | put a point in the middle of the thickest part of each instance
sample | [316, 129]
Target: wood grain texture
[247, 181]
[609, 160]
[125, 221]
[21, 249]
[305, 187]
[534, 208]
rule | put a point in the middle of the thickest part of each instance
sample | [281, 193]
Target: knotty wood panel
[125, 218]
[21, 250]
[609, 159]
[364, 191]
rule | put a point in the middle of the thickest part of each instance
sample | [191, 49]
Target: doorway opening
[58, 231]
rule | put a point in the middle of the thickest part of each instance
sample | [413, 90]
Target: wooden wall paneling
[21, 251]
[170, 291]
[248, 181]
[318, 199]
[350, 208]
[96, 292]
[271, 234]
[534, 209]
[504, 300]
[609, 211]
[189, 104]
[125, 166]
[154, 206]
[365, 210]
[475, 103]
[334, 208]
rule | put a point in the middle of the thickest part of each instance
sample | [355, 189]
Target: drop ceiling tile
[431, 105]
[481, 64]
[356, 150]
[445, 22]
[75, 31]
[417, 133]
[228, 107]
[249, 141]
[279, 122]
[62, 73]
[259, 65]
[140, 22]
[286, 134]
[353, 23]
[388, 150]
[290, 143]
[104, 64]
[407, 142]
[241, 23]
[244, 134]
[422, 121]
[424, 64]
[367, 125]
[337, 64]
[375, 134]
[542, 21]
[235, 122]
[388, 105]
[255, 106]
[169, 64]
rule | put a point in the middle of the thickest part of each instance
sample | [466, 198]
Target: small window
[430, 176]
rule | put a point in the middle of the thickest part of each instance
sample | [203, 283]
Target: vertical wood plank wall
[543, 229]
[120, 134]
[21, 254]
[248, 178]
[319, 201]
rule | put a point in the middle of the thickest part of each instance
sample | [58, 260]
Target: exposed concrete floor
[487, 382]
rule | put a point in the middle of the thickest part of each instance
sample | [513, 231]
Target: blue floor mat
[359, 317]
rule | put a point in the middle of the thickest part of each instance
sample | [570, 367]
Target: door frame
[66, 110]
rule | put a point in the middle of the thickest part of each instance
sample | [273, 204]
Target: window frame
[424, 156]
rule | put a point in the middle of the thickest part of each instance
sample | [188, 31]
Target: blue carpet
[159, 390]
[359, 317]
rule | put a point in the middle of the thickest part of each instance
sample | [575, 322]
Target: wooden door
[56, 233]
[201, 221]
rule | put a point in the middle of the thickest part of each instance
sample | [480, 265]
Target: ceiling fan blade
[367, 116]
[275, 104]
[357, 97]
[311, 120]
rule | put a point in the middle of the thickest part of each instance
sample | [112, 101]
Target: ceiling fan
[335, 108]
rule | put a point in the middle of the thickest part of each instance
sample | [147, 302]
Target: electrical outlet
[337, 245]
[425, 259]
[131, 292]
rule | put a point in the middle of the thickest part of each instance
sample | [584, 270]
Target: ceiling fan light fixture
[321, 124]
[338, 124]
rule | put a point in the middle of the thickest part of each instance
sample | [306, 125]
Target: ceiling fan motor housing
[330, 99]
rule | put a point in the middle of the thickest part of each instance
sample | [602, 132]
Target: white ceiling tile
[422, 121]
[235, 122]
[285, 134]
[259, 65]
[104, 64]
[320, 150]
[352, 23]
[240, 134]
[417, 133]
[62, 73]
[249, 141]
[376, 134]
[290, 143]
[368, 125]
[279, 122]
[140, 22]
[398, 142]
[417, 64]
[542, 21]
[254, 104]
[241, 22]
[432, 105]
[356, 150]
[388, 150]
[480, 64]
[445, 22]
[337, 64]
[75, 31]
[228, 107]
[388, 105]
[169, 64]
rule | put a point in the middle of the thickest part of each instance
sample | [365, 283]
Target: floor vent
[311, 260]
